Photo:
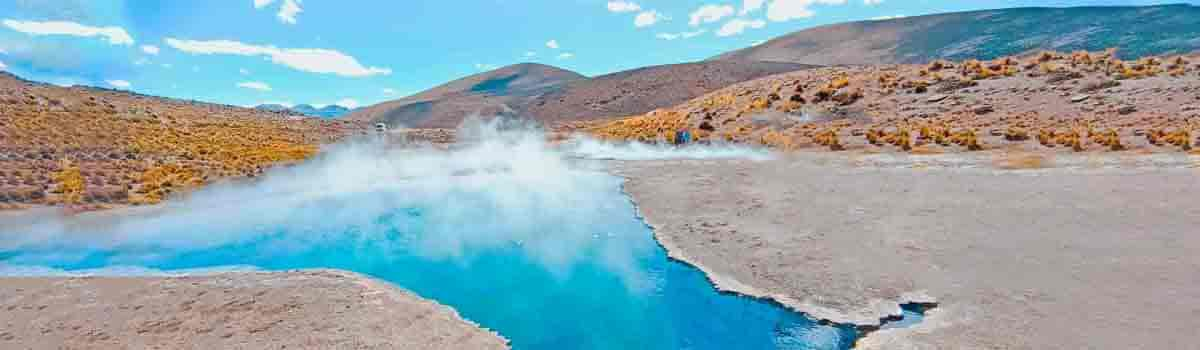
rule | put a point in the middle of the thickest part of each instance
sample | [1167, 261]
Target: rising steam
[503, 188]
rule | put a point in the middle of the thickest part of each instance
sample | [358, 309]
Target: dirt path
[321, 309]
[1043, 259]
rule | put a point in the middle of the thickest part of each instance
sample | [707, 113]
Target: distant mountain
[549, 93]
[327, 112]
[1136, 31]
[489, 93]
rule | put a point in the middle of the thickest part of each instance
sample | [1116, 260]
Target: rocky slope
[1050, 101]
[1138, 31]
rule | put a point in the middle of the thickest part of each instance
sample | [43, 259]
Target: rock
[1127, 109]
[936, 98]
[1080, 98]
[984, 109]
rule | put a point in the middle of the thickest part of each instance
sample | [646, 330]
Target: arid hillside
[549, 94]
[1049, 101]
[88, 147]
[989, 34]
[497, 92]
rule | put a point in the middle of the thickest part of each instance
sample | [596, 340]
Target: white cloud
[786, 10]
[757, 42]
[566, 56]
[389, 91]
[288, 11]
[150, 49]
[621, 6]
[648, 18]
[243, 71]
[553, 44]
[738, 25]
[348, 103]
[308, 60]
[530, 54]
[115, 35]
[255, 85]
[262, 3]
[3, 66]
[709, 14]
[119, 83]
[749, 6]
[166, 65]
[872, 2]
[680, 35]
[884, 18]
[484, 66]
[141, 61]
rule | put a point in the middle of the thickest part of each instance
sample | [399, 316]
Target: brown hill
[550, 94]
[645, 89]
[1138, 31]
[1047, 102]
[488, 93]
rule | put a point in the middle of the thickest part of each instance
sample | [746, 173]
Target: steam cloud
[501, 188]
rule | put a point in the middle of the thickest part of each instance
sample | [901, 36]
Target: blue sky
[245, 52]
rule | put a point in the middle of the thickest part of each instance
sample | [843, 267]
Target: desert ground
[1065, 257]
[282, 310]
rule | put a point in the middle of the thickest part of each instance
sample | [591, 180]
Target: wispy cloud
[389, 92]
[749, 6]
[288, 11]
[648, 18]
[738, 25]
[484, 66]
[680, 35]
[114, 35]
[150, 49]
[322, 61]
[621, 6]
[786, 10]
[553, 44]
[884, 18]
[119, 83]
[255, 85]
[348, 103]
[709, 14]
[566, 56]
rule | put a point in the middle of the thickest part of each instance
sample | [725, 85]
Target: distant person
[682, 137]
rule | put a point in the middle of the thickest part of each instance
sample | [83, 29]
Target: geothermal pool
[545, 250]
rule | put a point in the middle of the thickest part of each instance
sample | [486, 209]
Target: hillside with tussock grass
[987, 34]
[90, 148]
[1051, 101]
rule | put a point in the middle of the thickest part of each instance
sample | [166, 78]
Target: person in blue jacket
[682, 137]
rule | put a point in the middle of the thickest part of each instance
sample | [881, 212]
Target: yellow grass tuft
[1015, 161]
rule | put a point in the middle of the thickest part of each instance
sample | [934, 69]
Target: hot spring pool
[549, 254]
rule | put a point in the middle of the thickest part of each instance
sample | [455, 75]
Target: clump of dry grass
[1016, 161]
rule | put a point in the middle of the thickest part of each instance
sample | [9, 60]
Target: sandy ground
[1063, 258]
[321, 309]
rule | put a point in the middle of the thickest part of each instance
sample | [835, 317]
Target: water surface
[513, 236]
